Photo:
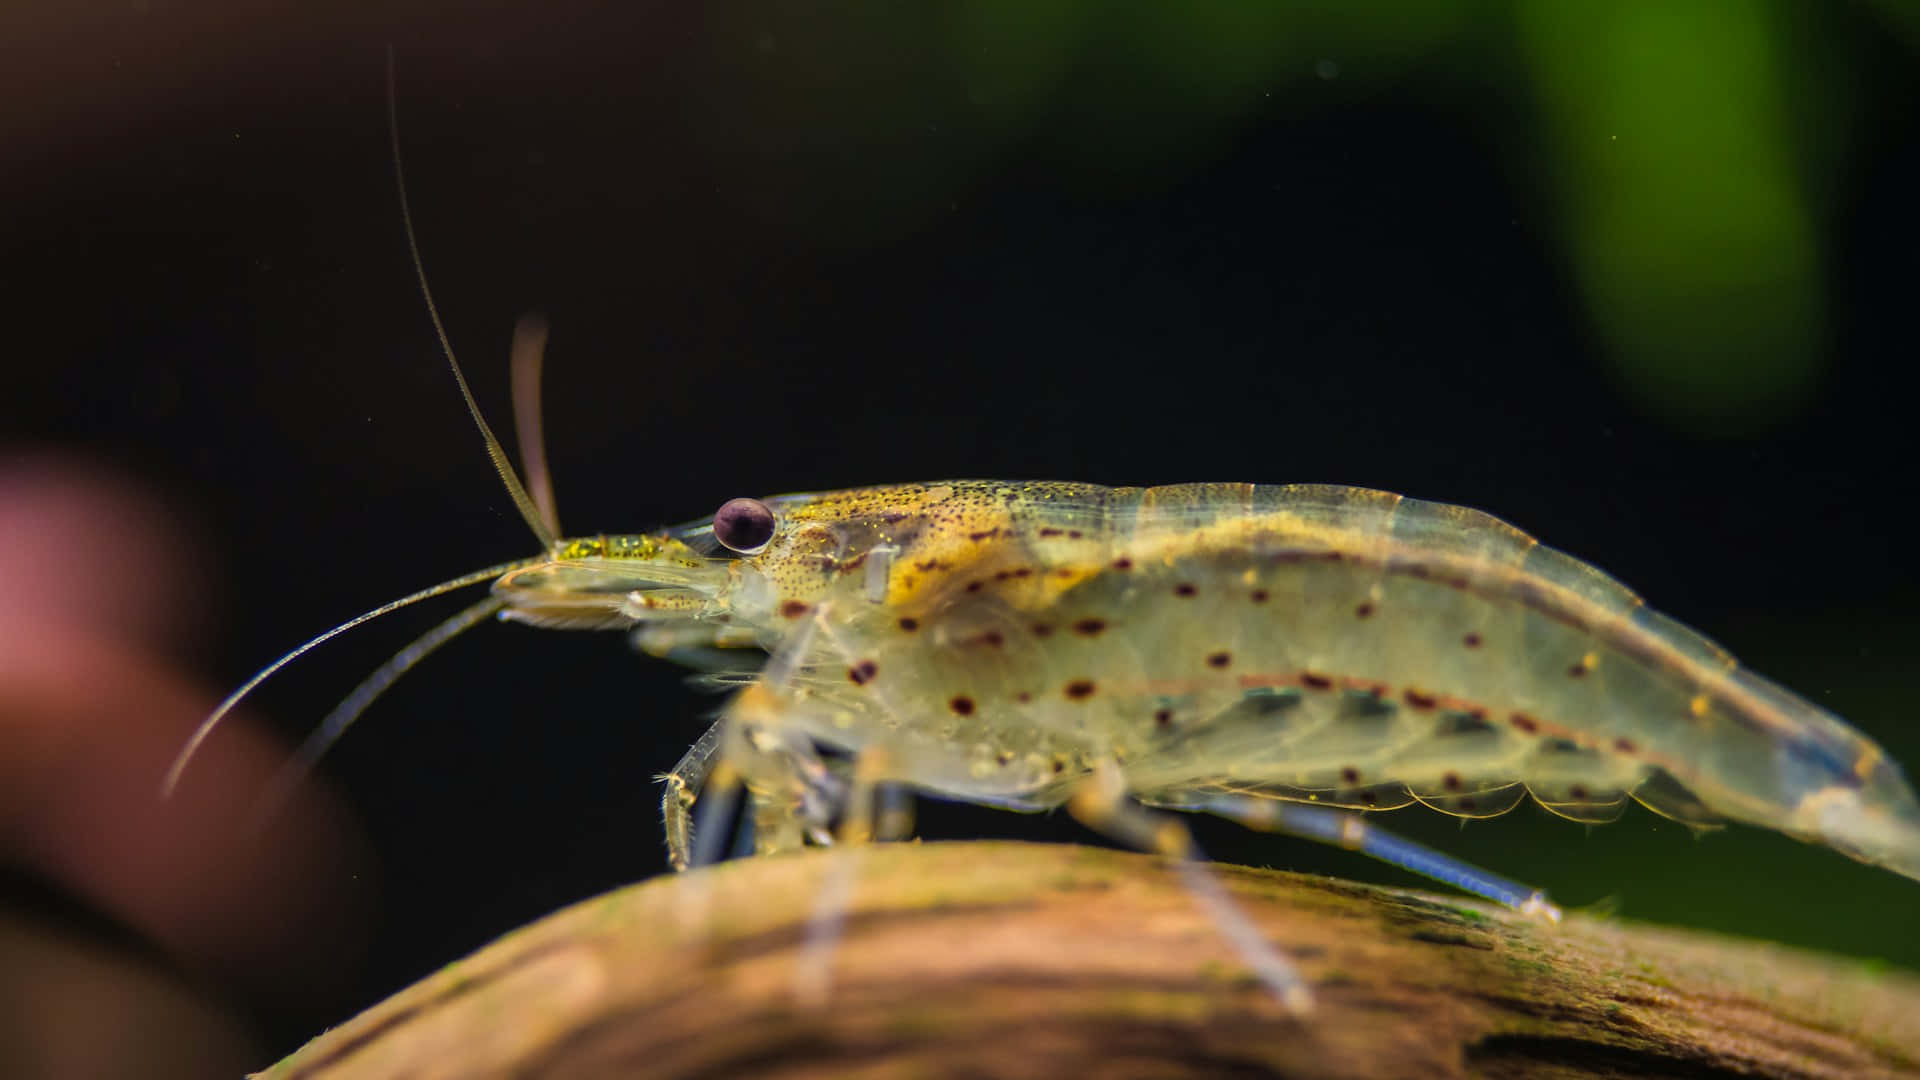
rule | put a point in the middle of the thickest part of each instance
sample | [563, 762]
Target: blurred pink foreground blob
[96, 597]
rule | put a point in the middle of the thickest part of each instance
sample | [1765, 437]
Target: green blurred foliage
[1684, 152]
[1684, 213]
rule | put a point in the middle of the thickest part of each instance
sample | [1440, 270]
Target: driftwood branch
[1005, 959]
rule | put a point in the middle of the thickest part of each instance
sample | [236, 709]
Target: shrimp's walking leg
[872, 810]
[1348, 830]
[790, 792]
[893, 820]
[1101, 804]
[684, 785]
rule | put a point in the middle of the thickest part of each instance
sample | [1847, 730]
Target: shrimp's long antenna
[344, 714]
[529, 342]
[539, 523]
[219, 713]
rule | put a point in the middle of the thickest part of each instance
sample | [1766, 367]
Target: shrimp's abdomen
[1352, 647]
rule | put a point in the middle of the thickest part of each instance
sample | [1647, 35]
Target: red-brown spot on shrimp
[1471, 641]
[1080, 689]
[1219, 659]
[975, 585]
[1419, 699]
[962, 706]
[1369, 797]
[863, 672]
[1074, 534]
[793, 609]
[1123, 563]
[984, 534]
[1468, 803]
[1023, 571]
[1059, 765]
[1524, 722]
[993, 638]
[1578, 791]
[909, 623]
[1163, 717]
[1315, 682]
[1004, 758]
[1063, 573]
[1089, 627]
[1048, 530]
[1258, 596]
[1184, 589]
[1349, 775]
[1363, 610]
[1023, 697]
[1451, 781]
[1577, 671]
[1625, 745]
[1041, 629]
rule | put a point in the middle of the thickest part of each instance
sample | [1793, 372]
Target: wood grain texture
[1021, 960]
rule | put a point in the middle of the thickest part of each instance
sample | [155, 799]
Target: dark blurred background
[1636, 277]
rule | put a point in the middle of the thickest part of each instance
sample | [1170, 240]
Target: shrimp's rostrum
[1002, 642]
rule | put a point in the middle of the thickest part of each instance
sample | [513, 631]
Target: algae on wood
[1008, 959]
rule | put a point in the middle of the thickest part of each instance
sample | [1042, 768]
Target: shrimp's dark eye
[744, 526]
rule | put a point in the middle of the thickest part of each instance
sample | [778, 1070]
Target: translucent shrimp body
[1229, 648]
[1003, 642]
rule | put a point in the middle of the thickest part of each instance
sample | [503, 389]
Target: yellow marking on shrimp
[1699, 706]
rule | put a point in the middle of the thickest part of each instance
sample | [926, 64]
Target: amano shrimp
[1281, 655]
[1286, 656]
